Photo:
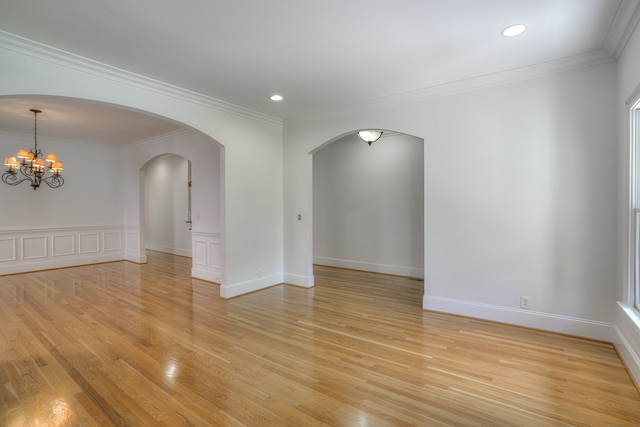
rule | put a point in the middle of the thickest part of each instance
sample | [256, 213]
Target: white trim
[160, 138]
[531, 72]
[28, 139]
[60, 247]
[211, 274]
[88, 243]
[12, 254]
[112, 237]
[624, 24]
[633, 108]
[630, 358]
[632, 199]
[397, 270]
[168, 249]
[241, 288]
[56, 229]
[50, 264]
[133, 252]
[586, 328]
[299, 280]
[35, 239]
[135, 257]
[634, 286]
[627, 339]
[23, 46]
[206, 253]
[58, 240]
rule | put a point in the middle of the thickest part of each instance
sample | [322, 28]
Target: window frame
[632, 297]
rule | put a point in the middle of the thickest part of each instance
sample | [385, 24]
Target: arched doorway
[368, 204]
[96, 214]
[167, 205]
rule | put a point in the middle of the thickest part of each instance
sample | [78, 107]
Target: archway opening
[167, 205]
[368, 205]
[97, 213]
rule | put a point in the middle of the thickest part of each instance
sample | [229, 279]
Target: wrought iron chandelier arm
[53, 181]
[11, 178]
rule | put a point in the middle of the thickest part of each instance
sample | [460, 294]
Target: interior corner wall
[368, 205]
[166, 196]
[519, 193]
[252, 227]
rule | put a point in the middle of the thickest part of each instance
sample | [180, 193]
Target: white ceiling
[319, 55]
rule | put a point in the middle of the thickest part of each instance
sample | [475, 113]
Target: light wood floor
[123, 344]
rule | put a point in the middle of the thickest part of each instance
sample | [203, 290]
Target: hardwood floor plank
[127, 344]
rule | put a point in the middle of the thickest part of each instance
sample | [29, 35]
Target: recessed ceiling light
[514, 30]
[276, 97]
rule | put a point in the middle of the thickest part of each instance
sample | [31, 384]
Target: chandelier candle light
[31, 166]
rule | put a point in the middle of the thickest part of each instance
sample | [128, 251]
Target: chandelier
[32, 167]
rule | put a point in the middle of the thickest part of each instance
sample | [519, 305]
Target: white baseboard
[299, 280]
[210, 274]
[627, 339]
[630, 358]
[236, 289]
[591, 329]
[168, 249]
[135, 256]
[50, 264]
[397, 270]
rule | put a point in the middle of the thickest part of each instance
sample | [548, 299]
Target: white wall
[166, 194]
[368, 205]
[519, 198]
[252, 174]
[89, 196]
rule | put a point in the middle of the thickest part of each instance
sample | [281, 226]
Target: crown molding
[157, 138]
[623, 26]
[23, 46]
[531, 72]
[5, 134]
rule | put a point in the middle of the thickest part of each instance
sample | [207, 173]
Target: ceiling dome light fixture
[370, 136]
[276, 97]
[32, 166]
[514, 30]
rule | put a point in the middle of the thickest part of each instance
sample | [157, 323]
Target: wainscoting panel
[8, 249]
[112, 241]
[89, 243]
[215, 255]
[132, 240]
[63, 245]
[34, 247]
[23, 250]
[207, 256]
[199, 253]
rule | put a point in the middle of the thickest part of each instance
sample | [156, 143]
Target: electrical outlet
[525, 302]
